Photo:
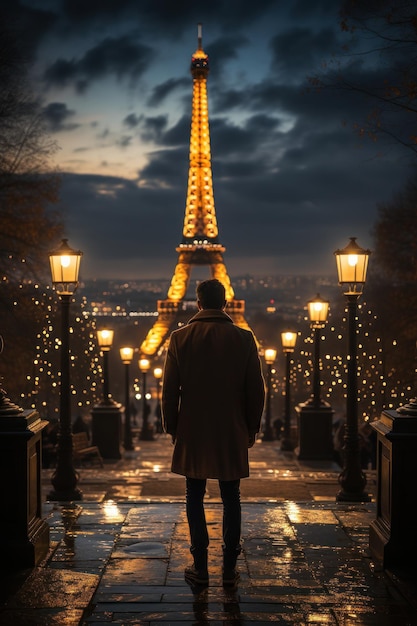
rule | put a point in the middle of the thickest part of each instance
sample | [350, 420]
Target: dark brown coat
[213, 395]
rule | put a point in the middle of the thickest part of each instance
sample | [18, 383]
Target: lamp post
[352, 265]
[315, 424]
[270, 356]
[146, 433]
[107, 415]
[126, 354]
[105, 342]
[288, 340]
[318, 310]
[158, 375]
[65, 265]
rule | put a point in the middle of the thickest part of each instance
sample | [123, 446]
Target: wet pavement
[118, 556]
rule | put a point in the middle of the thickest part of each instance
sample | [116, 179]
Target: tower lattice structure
[200, 244]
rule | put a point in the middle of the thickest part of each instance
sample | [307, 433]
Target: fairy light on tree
[42, 385]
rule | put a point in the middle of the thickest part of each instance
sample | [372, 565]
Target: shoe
[230, 577]
[195, 576]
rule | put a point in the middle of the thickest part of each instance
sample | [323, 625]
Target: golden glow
[156, 335]
[200, 216]
[200, 230]
[352, 266]
[218, 270]
[111, 510]
[270, 355]
[288, 340]
[157, 372]
[105, 338]
[65, 267]
[199, 54]
[126, 354]
[144, 365]
[318, 310]
[179, 282]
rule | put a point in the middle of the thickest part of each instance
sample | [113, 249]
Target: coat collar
[211, 315]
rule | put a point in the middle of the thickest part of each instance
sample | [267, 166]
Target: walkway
[117, 557]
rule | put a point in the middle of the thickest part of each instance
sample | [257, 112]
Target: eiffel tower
[200, 244]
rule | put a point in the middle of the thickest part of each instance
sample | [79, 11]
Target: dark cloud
[30, 25]
[153, 127]
[291, 181]
[56, 115]
[122, 57]
[132, 120]
[315, 11]
[261, 124]
[124, 141]
[161, 92]
[226, 100]
[160, 17]
[166, 168]
[289, 59]
[223, 50]
[124, 216]
[179, 134]
[229, 139]
[238, 169]
[283, 215]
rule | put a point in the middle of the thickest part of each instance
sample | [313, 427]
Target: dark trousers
[232, 515]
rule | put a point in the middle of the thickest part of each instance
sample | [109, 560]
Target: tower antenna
[200, 36]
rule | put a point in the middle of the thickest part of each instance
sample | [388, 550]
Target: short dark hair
[211, 294]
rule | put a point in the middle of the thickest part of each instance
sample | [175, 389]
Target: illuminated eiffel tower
[200, 244]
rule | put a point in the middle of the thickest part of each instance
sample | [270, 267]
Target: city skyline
[292, 181]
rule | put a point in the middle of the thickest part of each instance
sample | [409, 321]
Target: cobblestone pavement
[118, 555]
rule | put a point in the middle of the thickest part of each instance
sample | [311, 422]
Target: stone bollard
[315, 432]
[106, 428]
[392, 535]
[24, 534]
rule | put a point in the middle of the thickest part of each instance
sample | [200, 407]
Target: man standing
[213, 396]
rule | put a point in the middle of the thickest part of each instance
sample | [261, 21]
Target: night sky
[292, 181]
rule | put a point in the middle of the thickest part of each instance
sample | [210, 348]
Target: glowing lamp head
[352, 266]
[126, 354]
[270, 355]
[288, 340]
[144, 365]
[157, 373]
[318, 310]
[105, 339]
[65, 267]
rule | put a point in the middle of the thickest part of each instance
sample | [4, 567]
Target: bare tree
[28, 185]
[378, 63]
[28, 225]
[392, 290]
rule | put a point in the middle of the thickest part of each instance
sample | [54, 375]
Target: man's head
[211, 294]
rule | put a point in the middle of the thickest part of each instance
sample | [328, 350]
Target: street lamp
[318, 310]
[352, 265]
[107, 415]
[315, 424]
[288, 340]
[126, 354]
[65, 266]
[105, 342]
[270, 356]
[146, 433]
[158, 375]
